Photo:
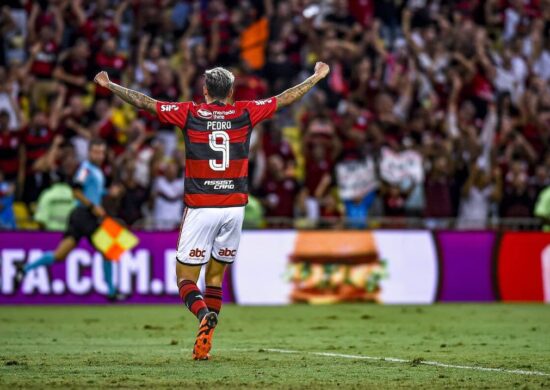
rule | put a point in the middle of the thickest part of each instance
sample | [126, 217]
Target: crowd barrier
[27, 223]
[276, 267]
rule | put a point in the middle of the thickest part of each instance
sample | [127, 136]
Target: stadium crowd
[433, 109]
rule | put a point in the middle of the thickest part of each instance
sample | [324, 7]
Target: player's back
[217, 140]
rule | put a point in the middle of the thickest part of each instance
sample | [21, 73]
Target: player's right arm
[295, 93]
[135, 98]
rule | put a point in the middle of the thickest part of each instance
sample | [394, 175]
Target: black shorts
[82, 223]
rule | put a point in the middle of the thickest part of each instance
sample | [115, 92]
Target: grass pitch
[150, 346]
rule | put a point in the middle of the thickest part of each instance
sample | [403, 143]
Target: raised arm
[135, 98]
[295, 93]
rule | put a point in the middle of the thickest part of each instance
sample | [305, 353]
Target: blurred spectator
[331, 212]
[134, 195]
[11, 150]
[395, 199]
[75, 126]
[7, 216]
[318, 178]
[45, 33]
[517, 200]
[8, 102]
[54, 206]
[13, 32]
[73, 68]
[253, 214]
[357, 185]
[99, 22]
[37, 137]
[478, 192]
[438, 188]
[56, 202]
[109, 60]
[168, 198]
[274, 144]
[542, 208]
[539, 181]
[279, 193]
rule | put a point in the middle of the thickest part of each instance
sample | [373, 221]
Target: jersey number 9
[219, 142]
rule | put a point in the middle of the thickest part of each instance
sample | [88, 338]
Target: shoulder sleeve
[173, 113]
[259, 110]
[80, 176]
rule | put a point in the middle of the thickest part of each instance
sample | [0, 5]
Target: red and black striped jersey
[37, 141]
[217, 141]
[43, 65]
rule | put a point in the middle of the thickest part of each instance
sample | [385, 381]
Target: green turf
[150, 346]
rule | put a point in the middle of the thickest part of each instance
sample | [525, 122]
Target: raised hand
[135, 98]
[321, 69]
[296, 92]
[102, 78]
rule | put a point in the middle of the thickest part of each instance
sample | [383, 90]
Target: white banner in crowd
[395, 167]
[263, 269]
[356, 178]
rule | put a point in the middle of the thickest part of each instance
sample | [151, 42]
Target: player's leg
[112, 293]
[108, 277]
[215, 271]
[224, 252]
[199, 228]
[192, 298]
[187, 276]
[48, 258]
[70, 239]
[193, 250]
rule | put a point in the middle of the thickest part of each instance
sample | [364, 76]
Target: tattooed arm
[295, 93]
[136, 99]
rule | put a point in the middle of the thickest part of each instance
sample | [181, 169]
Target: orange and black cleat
[203, 344]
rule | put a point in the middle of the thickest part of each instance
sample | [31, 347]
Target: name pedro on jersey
[218, 125]
[220, 184]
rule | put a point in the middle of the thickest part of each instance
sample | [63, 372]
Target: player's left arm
[135, 98]
[295, 93]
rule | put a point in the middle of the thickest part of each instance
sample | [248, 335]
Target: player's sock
[47, 259]
[213, 298]
[192, 297]
[108, 275]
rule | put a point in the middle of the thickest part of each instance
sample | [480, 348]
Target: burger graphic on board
[332, 267]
